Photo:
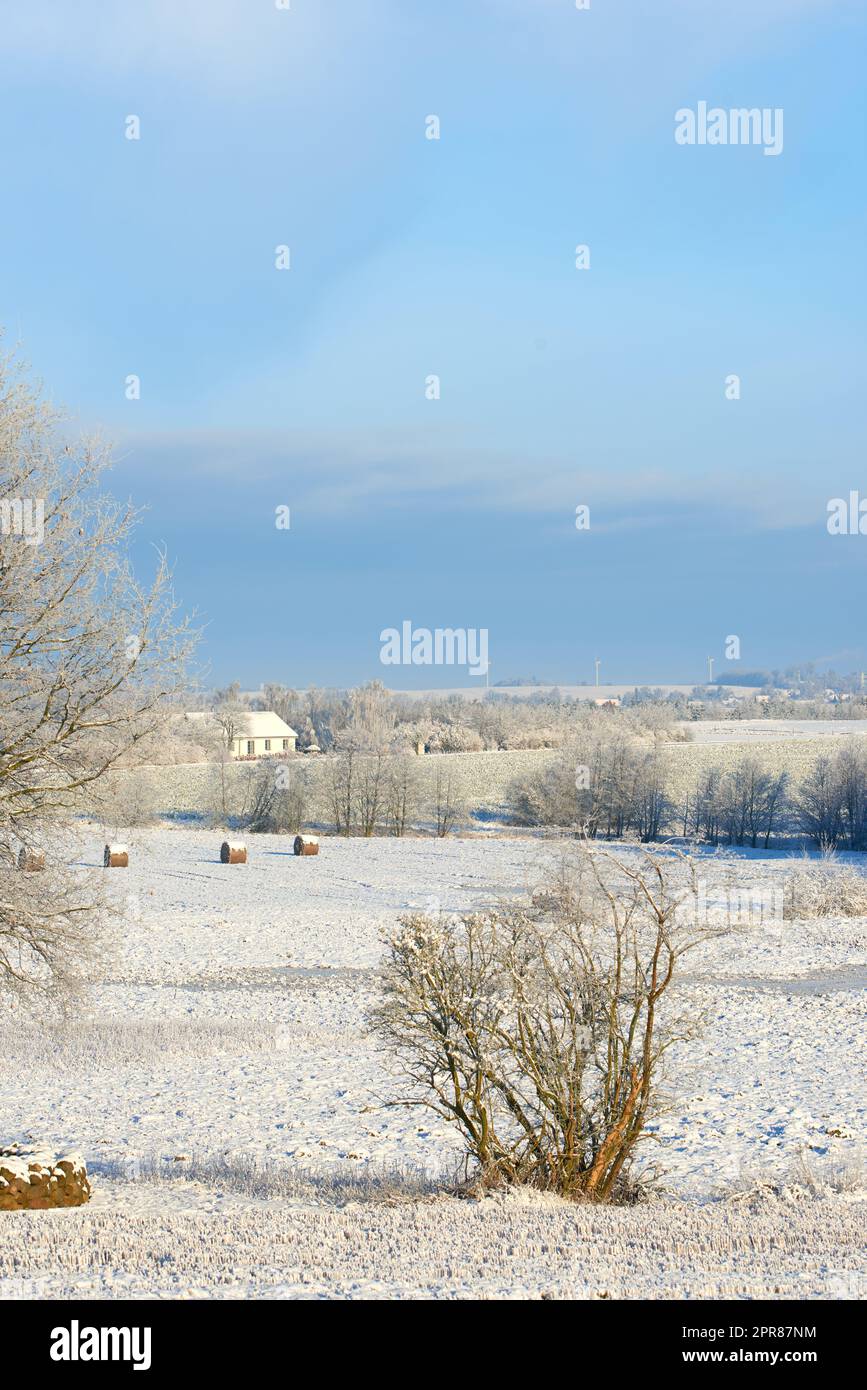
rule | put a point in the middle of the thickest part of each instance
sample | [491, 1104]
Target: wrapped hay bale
[34, 1179]
[306, 844]
[233, 852]
[115, 857]
[31, 860]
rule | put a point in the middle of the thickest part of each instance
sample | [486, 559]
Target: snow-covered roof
[264, 724]
[251, 723]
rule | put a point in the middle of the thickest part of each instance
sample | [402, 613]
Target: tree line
[618, 787]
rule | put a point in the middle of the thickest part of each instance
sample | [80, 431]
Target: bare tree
[622, 788]
[89, 661]
[370, 790]
[278, 799]
[756, 800]
[341, 789]
[539, 1030]
[447, 805]
[401, 792]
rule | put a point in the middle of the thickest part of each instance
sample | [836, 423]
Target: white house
[260, 734]
[256, 734]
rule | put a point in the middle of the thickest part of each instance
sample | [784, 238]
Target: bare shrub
[825, 888]
[357, 786]
[125, 798]
[277, 798]
[341, 790]
[539, 1030]
[370, 789]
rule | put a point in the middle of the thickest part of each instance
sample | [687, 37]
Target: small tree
[370, 790]
[341, 789]
[447, 805]
[539, 1030]
[401, 792]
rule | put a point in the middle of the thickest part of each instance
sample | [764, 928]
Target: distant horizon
[479, 687]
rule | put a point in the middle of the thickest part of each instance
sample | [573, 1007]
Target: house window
[267, 745]
[285, 744]
[251, 747]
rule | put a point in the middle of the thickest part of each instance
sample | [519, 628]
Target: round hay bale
[31, 860]
[306, 844]
[233, 852]
[115, 857]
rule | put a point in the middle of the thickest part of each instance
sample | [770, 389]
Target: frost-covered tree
[89, 660]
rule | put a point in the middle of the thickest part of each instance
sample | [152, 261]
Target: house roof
[252, 723]
[264, 724]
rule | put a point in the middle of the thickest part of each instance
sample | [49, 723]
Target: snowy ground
[231, 1028]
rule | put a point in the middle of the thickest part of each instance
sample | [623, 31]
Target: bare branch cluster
[540, 1029]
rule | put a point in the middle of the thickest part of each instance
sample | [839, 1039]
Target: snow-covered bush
[825, 888]
[455, 738]
[539, 1029]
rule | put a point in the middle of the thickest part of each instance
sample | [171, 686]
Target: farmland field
[224, 1064]
[482, 780]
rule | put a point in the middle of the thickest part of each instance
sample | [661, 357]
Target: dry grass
[524, 1246]
[825, 888]
[270, 1180]
[106, 1044]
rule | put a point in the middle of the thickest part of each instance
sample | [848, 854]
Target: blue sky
[306, 387]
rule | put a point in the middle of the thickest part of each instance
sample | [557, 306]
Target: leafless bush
[825, 888]
[371, 789]
[277, 798]
[401, 792]
[124, 798]
[356, 787]
[539, 1030]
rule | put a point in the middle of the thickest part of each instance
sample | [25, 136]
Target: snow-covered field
[483, 781]
[771, 730]
[229, 1042]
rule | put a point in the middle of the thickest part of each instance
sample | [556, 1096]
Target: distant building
[261, 734]
[256, 734]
